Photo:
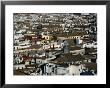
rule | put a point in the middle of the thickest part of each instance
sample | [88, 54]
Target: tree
[87, 50]
[39, 26]
[54, 38]
[75, 41]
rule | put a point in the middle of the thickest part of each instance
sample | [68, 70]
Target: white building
[21, 31]
[52, 45]
[17, 36]
[53, 69]
[21, 66]
[90, 45]
[21, 47]
[18, 60]
[75, 70]
[76, 52]
[62, 70]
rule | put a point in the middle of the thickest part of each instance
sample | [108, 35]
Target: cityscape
[49, 44]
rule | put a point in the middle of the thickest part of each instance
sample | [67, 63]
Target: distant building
[76, 50]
